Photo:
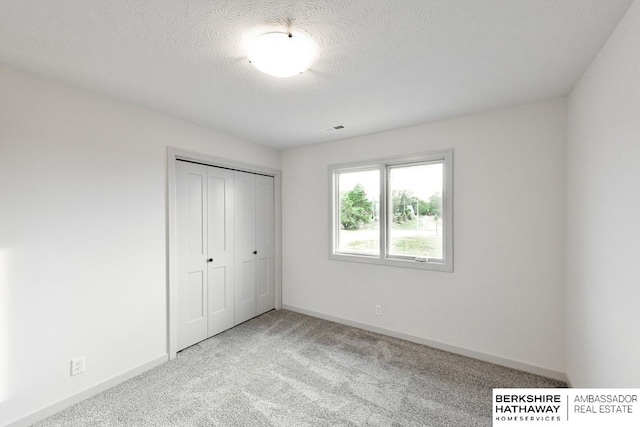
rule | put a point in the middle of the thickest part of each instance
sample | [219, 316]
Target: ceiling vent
[333, 128]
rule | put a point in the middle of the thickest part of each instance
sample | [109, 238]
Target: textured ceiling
[381, 64]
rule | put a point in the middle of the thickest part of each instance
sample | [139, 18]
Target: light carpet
[289, 369]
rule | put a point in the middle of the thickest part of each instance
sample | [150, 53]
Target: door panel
[264, 244]
[263, 277]
[218, 285]
[196, 304]
[195, 214]
[245, 240]
[220, 209]
[247, 271]
[221, 250]
[191, 250]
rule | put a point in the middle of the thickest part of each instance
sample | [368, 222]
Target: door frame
[174, 154]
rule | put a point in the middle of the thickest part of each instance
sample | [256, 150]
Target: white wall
[603, 211]
[82, 235]
[506, 295]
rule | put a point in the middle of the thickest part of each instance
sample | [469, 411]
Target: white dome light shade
[280, 54]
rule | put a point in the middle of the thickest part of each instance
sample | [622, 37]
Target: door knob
[255, 252]
[210, 260]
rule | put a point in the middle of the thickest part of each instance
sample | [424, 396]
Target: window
[394, 212]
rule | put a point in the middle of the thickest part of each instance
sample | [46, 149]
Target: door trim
[174, 154]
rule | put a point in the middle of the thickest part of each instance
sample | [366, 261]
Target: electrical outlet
[378, 309]
[77, 365]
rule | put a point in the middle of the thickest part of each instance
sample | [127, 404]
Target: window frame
[383, 166]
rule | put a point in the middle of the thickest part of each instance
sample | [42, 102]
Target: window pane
[358, 212]
[415, 211]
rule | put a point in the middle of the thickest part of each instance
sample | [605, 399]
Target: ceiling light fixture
[280, 54]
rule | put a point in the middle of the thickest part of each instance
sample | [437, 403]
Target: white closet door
[221, 254]
[245, 242]
[191, 207]
[264, 244]
[224, 249]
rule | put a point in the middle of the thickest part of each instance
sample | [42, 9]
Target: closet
[224, 248]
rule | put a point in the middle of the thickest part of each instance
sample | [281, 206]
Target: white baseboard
[549, 373]
[87, 393]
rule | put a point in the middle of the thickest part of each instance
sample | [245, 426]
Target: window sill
[393, 262]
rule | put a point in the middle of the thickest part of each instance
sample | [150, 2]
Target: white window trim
[446, 156]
